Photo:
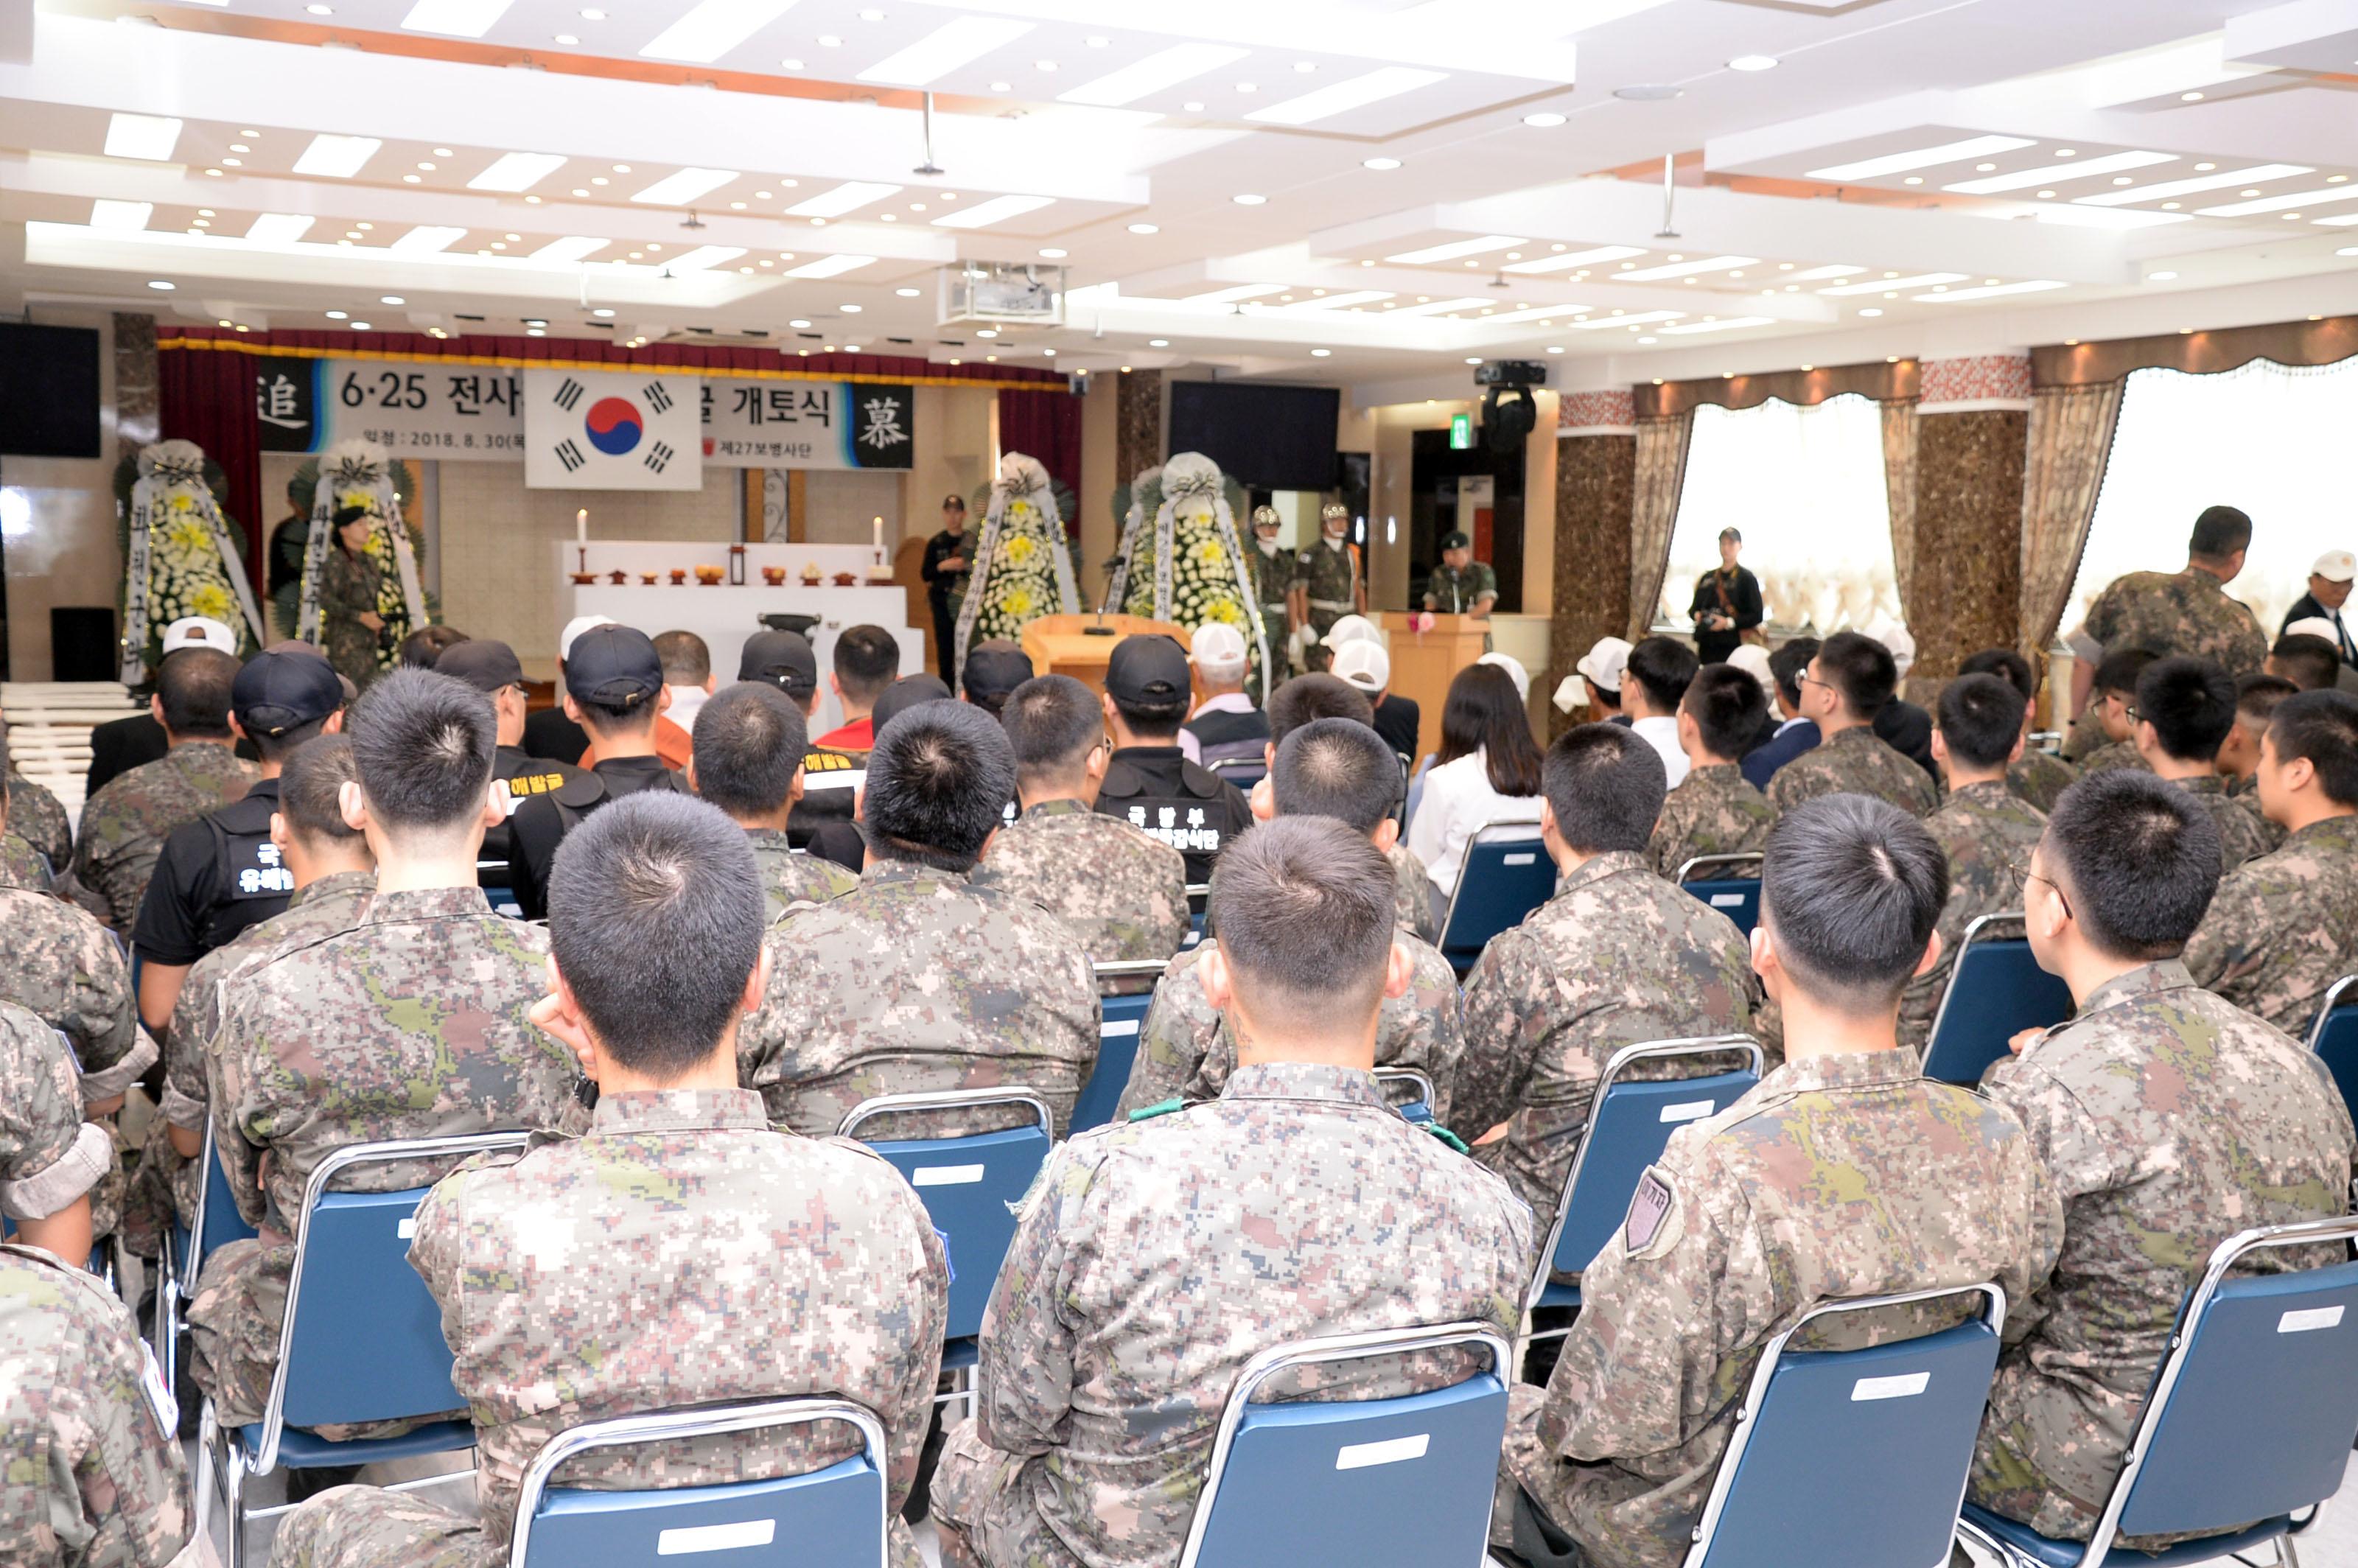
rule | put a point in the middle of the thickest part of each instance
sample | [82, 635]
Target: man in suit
[2329, 591]
[1796, 734]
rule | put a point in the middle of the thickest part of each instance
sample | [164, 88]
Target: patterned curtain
[1899, 486]
[2069, 440]
[1654, 511]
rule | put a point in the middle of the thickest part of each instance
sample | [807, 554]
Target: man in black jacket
[1149, 783]
[551, 732]
[1726, 602]
[947, 568]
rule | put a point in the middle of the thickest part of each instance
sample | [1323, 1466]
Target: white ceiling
[1366, 191]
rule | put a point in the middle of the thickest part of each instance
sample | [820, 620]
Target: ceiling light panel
[1635, 318]
[2256, 175]
[1922, 157]
[336, 157]
[1233, 293]
[713, 28]
[829, 266]
[279, 228]
[849, 197]
[2023, 180]
[984, 213]
[1342, 97]
[946, 48]
[517, 171]
[1141, 79]
[1685, 269]
[1989, 291]
[1436, 308]
[149, 137]
[703, 256]
[1891, 285]
[680, 189]
[2281, 203]
[427, 238]
[1344, 301]
[1456, 249]
[1725, 324]
[572, 248]
[1815, 273]
[108, 215]
[1596, 257]
[455, 18]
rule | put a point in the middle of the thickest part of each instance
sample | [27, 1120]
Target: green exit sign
[1461, 432]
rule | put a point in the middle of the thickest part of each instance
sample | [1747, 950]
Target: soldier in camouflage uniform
[1122, 893]
[712, 1258]
[1616, 957]
[50, 1159]
[750, 741]
[2169, 1121]
[1329, 767]
[2187, 611]
[2185, 709]
[1714, 810]
[1273, 578]
[35, 815]
[2038, 776]
[431, 992]
[1327, 582]
[2284, 927]
[1823, 1183]
[1847, 683]
[1155, 1257]
[2256, 698]
[1461, 585]
[21, 865]
[918, 978]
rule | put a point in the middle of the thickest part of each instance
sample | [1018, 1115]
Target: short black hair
[1338, 768]
[2309, 661]
[866, 658]
[345, 517]
[2006, 664]
[1052, 723]
[1605, 785]
[424, 745]
[1851, 891]
[1729, 710]
[685, 657]
[2190, 703]
[1861, 670]
[1304, 906]
[2322, 725]
[422, 647]
[309, 785]
[2137, 859]
[1731, 532]
[2219, 533]
[1664, 666]
[655, 917]
[1786, 665]
[2118, 671]
[193, 686]
[2258, 695]
[1307, 698]
[939, 777]
[749, 738]
[1981, 719]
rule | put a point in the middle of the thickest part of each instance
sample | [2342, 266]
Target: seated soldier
[749, 742]
[431, 994]
[1157, 1256]
[1714, 810]
[1149, 782]
[2115, 703]
[1616, 957]
[51, 1158]
[2168, 1121]
[1984, 830]
[1847, 683]
[1305, 700]
[1329, 767]
[2184, 708]
[2284, 927]
[2239, 755]
[492, 667]
[918, 978]
[691, 1219]
[1123, 893]
[1824, 1182]
[2309, 661]
[867, 659]
[2038, 776]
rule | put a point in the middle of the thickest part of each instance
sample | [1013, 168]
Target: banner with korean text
[469, 412]
[809, 424]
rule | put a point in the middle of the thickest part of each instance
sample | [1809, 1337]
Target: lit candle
[582, 527]
[880, 537]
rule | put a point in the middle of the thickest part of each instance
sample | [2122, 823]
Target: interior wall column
[1138, 443]
[1596, 489]
[1971, 430]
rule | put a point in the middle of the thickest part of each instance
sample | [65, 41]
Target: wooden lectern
[1064, 645]
[1424, 663]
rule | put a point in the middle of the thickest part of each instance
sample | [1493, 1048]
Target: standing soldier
[1273, 575]
[1328, 584]
[2177, 612]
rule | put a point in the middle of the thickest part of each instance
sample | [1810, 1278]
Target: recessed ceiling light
[1158, 342]
[593, 16]
[987, 333]
[1984, 168]
[1247, 87]
[1650, 92]
[1144, 228]
[1053, 253]
[392, 300]
[320, 10]
[148, 136]
[1753, 62]
[2067, 152]
[2124, 179]
[2247, 193]
[908, 293]
[568, 40]
[2160, 276]
[2189, 98]
[1050, 352]
[1913, 179]
[1044, 65]
[1249, 199]
[1871, 310]
[1379, 163]
[1320, 353]
[359, 326]
[872, 15]
[2336, 178]
[799, 324]
[790, 63]
[1192, 106]
[159, 283]
[1543, 119]
[335, 315]
[2046, 196]
[1003, 87]
[2171, 206]
[1097, 40]
[239, 147]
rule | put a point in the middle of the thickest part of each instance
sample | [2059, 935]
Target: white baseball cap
[2313, 626]
[198, 632]
[1216, 645]
[575, 627]
[1514, 672]
[1353, 629]
[1604, 663]
[1365, 665]
[1753, 660]
[2335, 565]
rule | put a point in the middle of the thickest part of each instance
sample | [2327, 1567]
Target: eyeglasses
[2024, 876]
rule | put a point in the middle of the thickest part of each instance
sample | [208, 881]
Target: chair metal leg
[233, 1479]
[208, 1430]
[2284, 1552]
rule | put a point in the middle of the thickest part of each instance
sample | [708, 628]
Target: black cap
[1149, 668]
[996, 667]
[782, 659]
[904, 694]
[282, 690]
[613, 667]
[1456, 541]
[483, 663]
[956, 501]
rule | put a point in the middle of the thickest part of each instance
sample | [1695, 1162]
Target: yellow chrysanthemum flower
[210, 599]
[1020, 549]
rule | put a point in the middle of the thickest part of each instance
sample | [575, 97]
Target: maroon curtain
[208, 398]
[1047, 425]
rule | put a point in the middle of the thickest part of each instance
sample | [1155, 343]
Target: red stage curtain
[1047, 425]
[208, 398]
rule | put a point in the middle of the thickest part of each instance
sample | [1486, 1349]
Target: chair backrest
[1629, 1122]
[1729, 884]
[362, 1337]
[1121, 1015]
[971, 1185]
[218, 1223]
[1244, 771]
[1996, 991]
[1852, 1458]
[1423, 1096]
[1397, 1483]
[1198, 895]
[2334, 1037]
[833, 1514]
[1507, 874]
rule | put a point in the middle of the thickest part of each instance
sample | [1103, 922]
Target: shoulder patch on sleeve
[1161, 1108]
[1654, 1222]
[1445, 1136]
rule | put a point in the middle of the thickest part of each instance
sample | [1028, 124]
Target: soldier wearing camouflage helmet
[751, 742]
[1328, 581]
[1272, 577]
[1848, 682]
[1822, 1183]
[2167, 1119]
[656, 914]
[1155, 1257]
[1714, 810]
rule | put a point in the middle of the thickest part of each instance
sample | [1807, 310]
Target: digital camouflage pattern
[64, 967]
[21, 865]
[1185, 1052]
[1453, 592]
[1413, 894]
[123, 826]
[2169, 1121]
[91, 1477]
[2246, 791]
[2114, 754]
[1330, 574]
[1854, 762]
[2178, 612]
[35, 815]
[1837, 1176]
[49, 1155]
[1272, 579]
[431, 993]
[1619, 957]
[2040, 778]
[2242, 837]
[789, 879]
[919, 979]
[615, 1274]
[2283, 928]
[1713, 811]
[1987, 832]
[1122, 893]
[1156, 1258]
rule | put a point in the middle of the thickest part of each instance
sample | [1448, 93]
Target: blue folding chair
[361, 1340]
[1415, 790]
[1729, 884]
[1629, 1123]
[833, 1514]
[1996, 989]
[1242, 772]
[1198, 895]
[217, 1224]
[2251, 1417]
[1852, 1458]
[1507, 874]
[1398, 1483]
[2334, 1037]
[1122, 1015]
[1410, 1092]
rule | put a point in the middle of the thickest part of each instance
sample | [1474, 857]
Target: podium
[1424, 663]
[1066, 644]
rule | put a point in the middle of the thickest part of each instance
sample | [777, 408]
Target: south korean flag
[608, 430]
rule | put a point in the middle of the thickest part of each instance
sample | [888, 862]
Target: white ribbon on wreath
[1021, 478]
[170, 471]
[1134, 527]
[1191, 478]
[355, 473]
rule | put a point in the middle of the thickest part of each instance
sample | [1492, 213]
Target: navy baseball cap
[905, 694]
[782, 659]
[613, 667]
[1148, 668]
[484, 663]
[996, 667]
[284, 688]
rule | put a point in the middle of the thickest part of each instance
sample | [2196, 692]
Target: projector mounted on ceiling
[1020, 293]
